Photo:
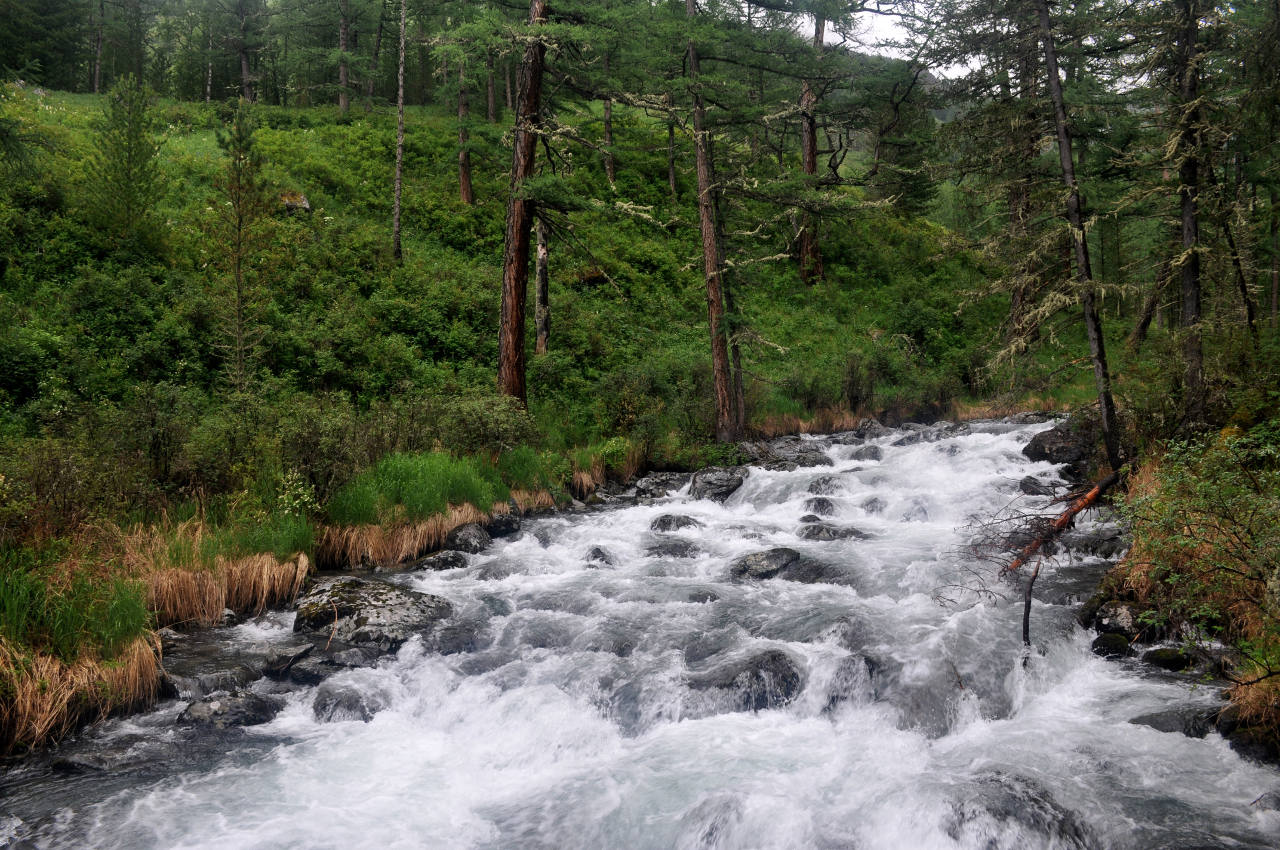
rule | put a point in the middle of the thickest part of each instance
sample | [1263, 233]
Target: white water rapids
[570, 722]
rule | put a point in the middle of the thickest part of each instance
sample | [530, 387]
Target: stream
[655, 697]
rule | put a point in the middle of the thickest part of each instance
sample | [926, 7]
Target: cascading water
[651, 697]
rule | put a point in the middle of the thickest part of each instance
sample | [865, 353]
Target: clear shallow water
[572, 723]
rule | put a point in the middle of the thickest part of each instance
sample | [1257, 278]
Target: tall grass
[414, 487]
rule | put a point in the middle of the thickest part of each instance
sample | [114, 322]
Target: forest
[265, 273]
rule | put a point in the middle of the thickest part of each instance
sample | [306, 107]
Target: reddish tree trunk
[712, 264]
[395, 204]
[520, 211]
[542, 291]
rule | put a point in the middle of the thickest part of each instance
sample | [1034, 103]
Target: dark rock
[703, 597]
[821, 506]
[846, 438]
[277, 664]
[1059, 445]
[1268, 802]
[874, 505]
[811, 518]
[211, 682]
[1252, 742]
[356, 656]
[799, 451]
[1002, 804]
[826, 485]
[366, 611]
[1029, 417]
[295, 203]
[717, 482]
[1111, 645]
[658, 484]
[467, 538]
[598, 555]
[673, 522]
[674, 548]
[823, 531]
[228, 618]
[1031, 486]
[1192, 722]
[912, 438]
[869, 429]
[345, 702]
[760, 565]
[450, 560]
[1105, 542]
[1118, 618]
[868, 453]
[768, 680]
[1168, 658]
[503, 525]
[227, 710]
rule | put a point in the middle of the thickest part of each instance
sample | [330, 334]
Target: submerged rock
[717, 482]
[1192, 722]
[868, 453]
[598, 555]
[449, 560]
[826, 485]
[366, 611]
[223, 711]
[345, 702]
[1168, 658]
[673, 548]
[1002, 805]
[1111, 645]
[821, 506]
[874, 505]
[825, 532]
[1032, 486]
[673, 522]
[760, 565]
[767, 680]
[503, 525]
[469, 538]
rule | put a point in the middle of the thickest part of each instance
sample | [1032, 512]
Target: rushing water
[574, 720]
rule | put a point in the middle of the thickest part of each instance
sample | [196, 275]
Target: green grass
[415, 487]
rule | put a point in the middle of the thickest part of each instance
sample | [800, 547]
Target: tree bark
[671, 150]
[344, 34]
[97, 46]
[208, 61]
[1150, 308]
[509, 88]
[1188, 195]
[712, 263]
[1275, 259]
[373, 62]
[395, 204]
[610, 169]
[520, 212]
[490, 89]
[1075, 217]
[464, 142]
[542, 291]
[810, 251]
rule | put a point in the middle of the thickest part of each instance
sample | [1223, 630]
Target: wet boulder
[801, 452]
[868, 453]
[874, 505]
[336, 702]
[367, 612]
[1107, 542]
[598, 555]
[869, 429]
[448, 560]
[822, 531]
[1119, 618]
[657, 484]
[767, 680]
[1063, 445]
[673, 548]
[1111, 645]
[200, 685]
[1168, 658]
[820, 505]
[761, 565]
[503, 525]
[717, 483]
[825, 485]
[1189, 721]
[1010, 806]
[673, 522]
[1032, 486]
[470, 538]
[279, 662]
[223, 711]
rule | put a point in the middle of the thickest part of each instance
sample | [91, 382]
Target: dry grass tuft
[532, 500]
[44, 698]
[828, 420]
[344, 547]
[963, 411]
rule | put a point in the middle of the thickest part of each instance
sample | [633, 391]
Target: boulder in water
[1168, 658]
[345, 702]
[469, 538]
[1112, 645]
[673, 548]
[874, 505]
[599, 555]
[503, 525]
[821, 506]
[1119, 618]
[869, 429]
[868, 453]
[767, 680]
[278, 663]
[1002, 809]
[760, 565]
[223, 711]
[448, 560]
[717, 482]
[673, 522]
[825, 485]
[1032, 486]
[1192, 722]
[825, 532]
[367, 612]
[657, 484]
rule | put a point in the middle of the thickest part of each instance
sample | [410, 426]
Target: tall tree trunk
[464, 144]
[542, 291]
[610, 170]
[490, 88]
[344, 34]
[1075, 217]
[208, 61]
[98, 30]
[395, 203]
[1188, 194]
[810, 251]
[509, 87]
[246, 74]
[520, 212]
[1150, 307]
[712, 263]
[373, 62]
[1275, 259]
[671, 150]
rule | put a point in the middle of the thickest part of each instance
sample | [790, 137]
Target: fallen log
[1049, 534]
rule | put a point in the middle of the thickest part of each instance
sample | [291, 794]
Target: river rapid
[651, 699]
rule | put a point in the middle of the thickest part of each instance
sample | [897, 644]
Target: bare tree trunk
[344, 34]
[509, 88]
[246, 75]
[373, 62]
[1188, 194]
[490, 88]
[712, 263]
[1151, 307]
[610, 170]
[542, 291]
[464, 144]
[1275, 259]
[810, 251]
[97, 46]
[1075, 216]
[671, 151]
[520, 212]
[208, 61]
[395, 204]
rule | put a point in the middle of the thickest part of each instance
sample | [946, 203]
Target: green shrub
[488, 424]
[414, 487]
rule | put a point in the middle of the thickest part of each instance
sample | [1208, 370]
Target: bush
[486, 424]
[415, 487]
